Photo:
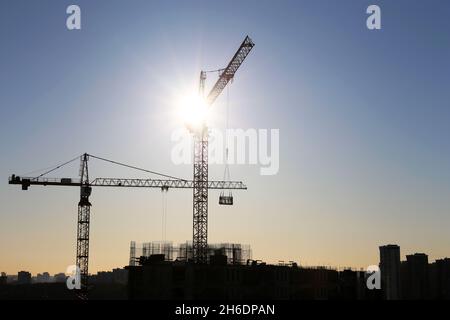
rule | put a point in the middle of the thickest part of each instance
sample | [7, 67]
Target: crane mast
[200, 188]
[84, 215]
[200, 183]
[84, 205]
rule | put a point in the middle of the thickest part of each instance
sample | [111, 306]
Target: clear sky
[364, 119]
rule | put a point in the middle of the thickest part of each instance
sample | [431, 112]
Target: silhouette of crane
[200, 198]
[200, 183]
[84, 205]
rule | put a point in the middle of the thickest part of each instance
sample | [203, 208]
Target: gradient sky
[364, 119]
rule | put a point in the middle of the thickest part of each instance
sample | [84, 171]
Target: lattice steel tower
[84, 213]
[200, 199]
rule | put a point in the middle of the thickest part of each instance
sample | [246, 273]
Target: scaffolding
[132, 254]
[236, 253]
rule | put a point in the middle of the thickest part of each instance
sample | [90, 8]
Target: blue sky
[363, 118]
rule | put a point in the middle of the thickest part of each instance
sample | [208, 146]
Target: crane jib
[26, 182]
[229, 72]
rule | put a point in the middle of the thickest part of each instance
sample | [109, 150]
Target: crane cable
[164, 215]
[217, 70]
[55, 168]
[226, 175]
[136, 168]
[103, 159]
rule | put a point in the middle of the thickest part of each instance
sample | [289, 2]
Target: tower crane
[84, 205]
[200, 198]
[200, 183]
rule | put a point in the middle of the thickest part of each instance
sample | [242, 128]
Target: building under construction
[233, 253]
[155, 278]
[200, 250]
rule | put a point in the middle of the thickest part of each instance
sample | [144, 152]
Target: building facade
[390, 271]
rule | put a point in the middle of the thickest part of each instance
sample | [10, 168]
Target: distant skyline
[363, 118]
[403, 257]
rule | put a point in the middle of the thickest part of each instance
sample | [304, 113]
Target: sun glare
[193, 111]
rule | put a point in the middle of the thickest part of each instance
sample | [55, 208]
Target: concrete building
[116, 276]
[59, 277]
[23, 277]
[439, 273]
[352, 285]
[160, 279]
[43, 278]
[390, 271]
[3, 279]
[415, 277]
[120, 276]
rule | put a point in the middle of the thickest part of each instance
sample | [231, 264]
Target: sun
[193, 111]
